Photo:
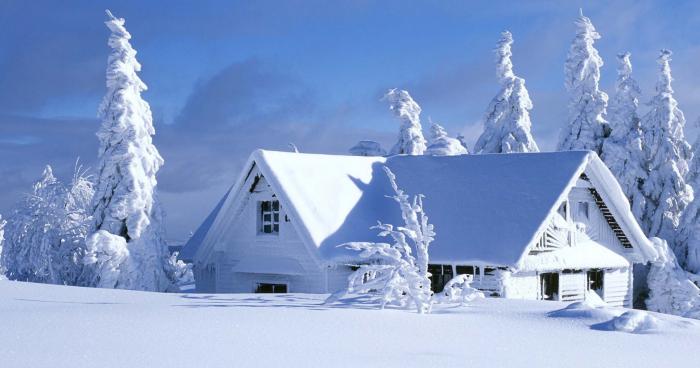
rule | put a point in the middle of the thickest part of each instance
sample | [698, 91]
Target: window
[562, 210]
[439, 276]
[269, 217]
[583, 209]
[468, 270]
[265, 288]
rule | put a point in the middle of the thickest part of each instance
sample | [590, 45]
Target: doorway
[595, 281]
[549, 286]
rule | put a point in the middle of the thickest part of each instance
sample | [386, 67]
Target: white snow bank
[59, 326]
[634, 321]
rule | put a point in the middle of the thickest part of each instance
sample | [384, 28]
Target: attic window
[562, 210]
[269, 217]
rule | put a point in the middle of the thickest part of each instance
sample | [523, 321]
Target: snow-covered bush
[126, 202]
[106, 253]
[670, 289]
[507, 123]
[183, 271]
[443, 145]
[367, 148]
[667, 154]
[392, 270]
[459, 290]
[586, 128]
[411, 140]
[46, 232]
[463, 141]
[622, 151]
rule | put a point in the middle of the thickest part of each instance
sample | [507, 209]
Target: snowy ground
[56, 326]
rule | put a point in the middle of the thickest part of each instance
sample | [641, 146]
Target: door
[595, 281]
[549, 286]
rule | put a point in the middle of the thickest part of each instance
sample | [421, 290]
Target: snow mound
[634, 321]
[587, 309]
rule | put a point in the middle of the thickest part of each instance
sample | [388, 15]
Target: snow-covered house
[531, 225]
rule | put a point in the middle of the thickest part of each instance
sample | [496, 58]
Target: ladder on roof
[610, 219]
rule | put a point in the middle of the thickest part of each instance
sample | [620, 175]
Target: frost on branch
[667, 155]
[622, 151]
[367, 148]
[46, 232]
[586, 127]
[459, 290]
[126, 202]
[443, 145]
[393, 271]
[411, 140]
[670, 289]
[507, 122]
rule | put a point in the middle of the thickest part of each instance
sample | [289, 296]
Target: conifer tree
[411, 140]
[622, 151]
[507, 123]
[586, 127]
[667, 154]
[127, 244]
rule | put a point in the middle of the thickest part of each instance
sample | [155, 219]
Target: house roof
[485, 208]
[190, 248]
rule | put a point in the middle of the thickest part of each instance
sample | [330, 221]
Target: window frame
[269, 215]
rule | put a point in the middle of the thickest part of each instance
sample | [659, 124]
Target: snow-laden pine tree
[398, 275]
[688, 240]
[586, 127]
[46, 233]
[367, 148]
[411, 140]
[127, 249]
[507, 122]
[443, 145]
[667, 156]
[622, 151]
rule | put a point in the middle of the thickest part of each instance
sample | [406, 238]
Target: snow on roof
[190, 248]
[584, 255]
[485, 208]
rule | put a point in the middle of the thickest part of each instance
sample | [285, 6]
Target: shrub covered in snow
[411, 140]
[392, 270]
[46, 232]
[634, 321]
[367, 148]
[126, 203]
[586, 128]
[687, 244]
[668, 154]
[459, 290]
[443, 145]
[670, 289]
[507, 123]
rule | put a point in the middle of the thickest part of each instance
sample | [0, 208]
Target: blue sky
[226, 77]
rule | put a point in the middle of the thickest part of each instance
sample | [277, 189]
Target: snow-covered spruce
[443, 145]
[46, 233]
[126, 203]
[411, 140]
[667, 154]
[399, 276]
[367, 148]
[688, 239]
[586, 127]
[507, 122]
[670, 289]
[622, 151]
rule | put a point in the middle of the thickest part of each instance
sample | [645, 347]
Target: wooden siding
[572, 286]
[617, 290]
